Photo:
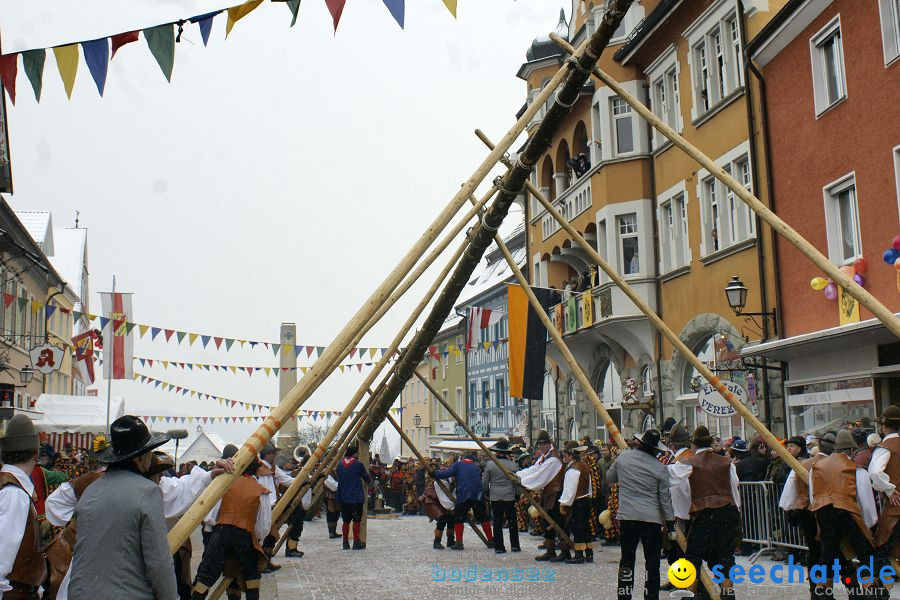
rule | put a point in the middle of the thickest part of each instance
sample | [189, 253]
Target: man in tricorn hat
[884, 471]
[121, 550]
[575, 502]
[22, 567]
[645, 508]
[705, 491]
[546, 476]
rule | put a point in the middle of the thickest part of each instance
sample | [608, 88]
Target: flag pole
[111, 356]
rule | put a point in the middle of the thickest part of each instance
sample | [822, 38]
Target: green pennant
[33, 61]
[128, 328]
[161, 40]
[180, 335]
[76, 315]
[276, 348]
[228, 343]
[22, 303]
[294, 6]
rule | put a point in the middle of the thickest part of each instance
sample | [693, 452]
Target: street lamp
[26, 374]
[417, 420]
[736, 293]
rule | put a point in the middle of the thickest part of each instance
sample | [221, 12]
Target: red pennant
[359, 367]
[218, 341]
[121, 39]
[353, 353]
[150, 361]
[335, 7]
[7, 299]
[169, 334]
[309, 349]
[9, 68]
[249, 371]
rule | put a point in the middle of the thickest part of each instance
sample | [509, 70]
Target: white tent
[74, 419]
[205, 447]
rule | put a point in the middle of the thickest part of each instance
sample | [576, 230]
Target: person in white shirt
[575, 501]
[22, 566]
[546, 476]
[884, 472]
[271, 476]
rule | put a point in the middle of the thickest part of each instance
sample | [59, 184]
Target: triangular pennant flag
[372, 352]
[336, 8]
[451, 6]
[236, 13]
[276, 348]
[120, 39]
[128, 327]
[319, 350]
[228, 343]
[268, 371]
[96, 56]
[150, 362]
[352, 353]
[192, 337]
[359, 367]
[205, 22]
[249, 371]
[7, 299]
[253, 344]
[142, 329]
[161, 40]
[205, 339]
[294, 5]
[169, 333]
[76, 315]
[397, 10]
[309, 351]
[49, 310]
[233, 369]
[341, 367]
[218, 342]
[154, 331]
[297, 350]
[142, 361]
[165, 364]
[67, 64]
[304, 370]
[9, 68]
[103, 322]
[33, 62]
[384, 351]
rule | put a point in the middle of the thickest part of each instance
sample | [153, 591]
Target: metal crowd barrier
[764, 523]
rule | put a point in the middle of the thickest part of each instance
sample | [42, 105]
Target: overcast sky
[279, 176]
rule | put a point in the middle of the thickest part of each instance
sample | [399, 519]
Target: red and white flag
[118, 343]
[480, 318]
[84, 355]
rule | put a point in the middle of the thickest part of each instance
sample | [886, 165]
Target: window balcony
[571, 203]
[609, 303]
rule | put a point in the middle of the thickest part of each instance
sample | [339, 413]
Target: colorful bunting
[121, 39]
[236, 13]
[239, 368]
[205, 22]
[96, 55]
[33, 62]
[67, 64]
[161, 41]
[9, 68]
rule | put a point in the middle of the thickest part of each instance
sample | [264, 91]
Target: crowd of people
[125, 494]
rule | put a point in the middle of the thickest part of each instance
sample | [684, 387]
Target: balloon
[896, 242]
[860, 280]
[860, 265]
[847, 270]
[818, 283]
[890, 255]
[831, 291]
[897, 264]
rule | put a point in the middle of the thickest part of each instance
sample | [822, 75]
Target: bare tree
[311, 434]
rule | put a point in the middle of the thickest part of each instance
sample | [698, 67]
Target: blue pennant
[96, 55]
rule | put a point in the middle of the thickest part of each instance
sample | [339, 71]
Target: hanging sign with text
[714, 404]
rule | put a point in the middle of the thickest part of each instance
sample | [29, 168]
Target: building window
[674, 239]
[829, 83]
[716, 59]
[842, 221]
[459, 401]
[666, 102]
[500, 388]
[890, 29]
[472, 396]
[628, 244]
[727, 220]
[646, 382]
[622, 125]
[485, 394]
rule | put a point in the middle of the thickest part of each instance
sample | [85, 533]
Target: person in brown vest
[840, 496]
[546, 476]
[575, 503]
[705, 491]
[22, 565]
[884, 471]
[244, 518]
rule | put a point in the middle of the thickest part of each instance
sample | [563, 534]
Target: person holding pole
[575, 502]
[469, 495]
[350, 475]
[439, 508]
[546, 476]
[502, 494]
[705, 491]
[271, 476]
[645, 508]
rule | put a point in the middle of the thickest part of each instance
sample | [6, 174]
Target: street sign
[46, 358]
[714, 404]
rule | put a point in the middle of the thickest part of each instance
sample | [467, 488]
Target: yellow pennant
[143, 329]
[233, 369]
[304, 369]
[192, 337]
[236, 13]
[165, 364]
[67, 63]
[342, 368]
[451, 6]
[190, 419]
[372, 352]
[268, 371]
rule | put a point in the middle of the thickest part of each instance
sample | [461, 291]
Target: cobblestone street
[399, 563]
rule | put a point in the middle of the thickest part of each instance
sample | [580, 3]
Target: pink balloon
[831, 292]
[860, 280]
[896, 243]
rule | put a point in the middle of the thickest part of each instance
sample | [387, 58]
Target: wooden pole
[438, 482]
[881, 312]
[537, 505]
[581, 377]
[510, 186]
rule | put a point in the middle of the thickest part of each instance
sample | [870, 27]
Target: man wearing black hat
[705, 491]
[645, 508]
[546, 476]
[575, 502]
[502, 495]
[121, 550]
[884, 471]
[22, 566]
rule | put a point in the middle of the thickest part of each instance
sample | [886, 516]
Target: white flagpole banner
[118, 343]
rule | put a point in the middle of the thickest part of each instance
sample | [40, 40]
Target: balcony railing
[573, 202]
[607, 301]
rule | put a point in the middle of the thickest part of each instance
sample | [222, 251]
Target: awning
[75, 414]
[462, 445]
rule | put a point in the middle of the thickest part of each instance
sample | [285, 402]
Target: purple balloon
[831, 292]
[860, 280]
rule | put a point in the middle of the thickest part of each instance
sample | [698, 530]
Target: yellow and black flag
[527, 343]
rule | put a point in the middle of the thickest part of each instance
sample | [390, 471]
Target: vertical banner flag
[480, 318]
[848, 307]
[571, 314]
[84, 355]
[587, 300]
[118, 343]
[527, 343]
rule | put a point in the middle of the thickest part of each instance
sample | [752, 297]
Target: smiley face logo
[682, 573]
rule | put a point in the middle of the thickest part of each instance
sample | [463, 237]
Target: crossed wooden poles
[565, 84]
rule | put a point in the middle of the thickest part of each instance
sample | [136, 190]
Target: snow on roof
[490, 275]
[39, 225]
[68, 258]
[76, 414]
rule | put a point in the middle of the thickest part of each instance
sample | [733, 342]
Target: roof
[785, 26]
[70, 246]
[493, 270]
[461, 444]
[543, 46]
[640, 33]
[76, 414]
[39, 225]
